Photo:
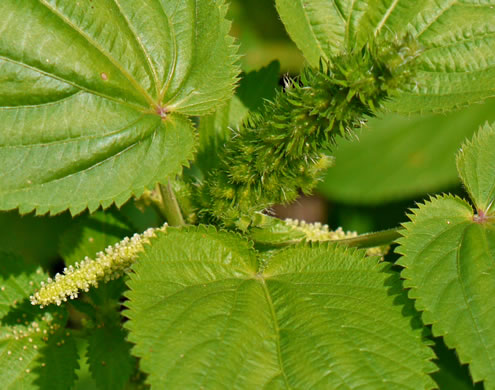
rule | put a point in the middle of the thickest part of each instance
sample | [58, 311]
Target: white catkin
[108, 265]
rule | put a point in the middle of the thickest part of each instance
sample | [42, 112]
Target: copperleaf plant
[134, 117]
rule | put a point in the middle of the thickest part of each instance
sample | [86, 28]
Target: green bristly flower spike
[108, 265]
[279, 152]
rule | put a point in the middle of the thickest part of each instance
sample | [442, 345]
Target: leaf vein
[93, 43]
[145, 53]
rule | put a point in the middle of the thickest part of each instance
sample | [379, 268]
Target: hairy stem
[169, 206]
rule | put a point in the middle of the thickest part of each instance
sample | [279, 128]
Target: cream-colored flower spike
[318, 232]
[108, 265]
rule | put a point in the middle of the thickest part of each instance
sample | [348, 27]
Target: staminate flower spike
[108, 265]
[319, 232]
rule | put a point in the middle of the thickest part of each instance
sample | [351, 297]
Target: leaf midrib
[107, 55]
[435, 18]
[134, 106]
[386, 16]
[140, 44]
[276, 329]
[466, 301]
[90, 166]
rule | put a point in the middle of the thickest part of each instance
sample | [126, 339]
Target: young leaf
[109, 358]
[450, 269]
[203, 314]
[94, 96]
[449, 261]
[476, 165]
[84, 379]
[36, 352]
[400, 158]
[457, 63]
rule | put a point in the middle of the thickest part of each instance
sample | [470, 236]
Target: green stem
[370, 240]
[169, 206]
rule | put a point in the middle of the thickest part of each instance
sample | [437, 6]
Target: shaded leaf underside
[402, 158]
[94, 96]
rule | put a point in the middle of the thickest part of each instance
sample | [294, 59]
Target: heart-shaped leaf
[449, 260]
[205, 312]
[94, 96]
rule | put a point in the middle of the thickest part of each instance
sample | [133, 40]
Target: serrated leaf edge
[437, 328]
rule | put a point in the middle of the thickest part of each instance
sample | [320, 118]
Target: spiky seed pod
[108, 265]
[278, 153]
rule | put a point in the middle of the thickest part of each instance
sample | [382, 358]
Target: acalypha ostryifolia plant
[111, 103]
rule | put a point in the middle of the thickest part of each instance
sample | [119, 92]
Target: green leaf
[203, 314]
[110, 361]
[449, 261]
[141, 215]
[451, 374]
[94, 96]
[36, 352]
[456, 67]
[59, 362]
[476, 165]
[84, 379]
[318, 27]
[256, 86]
[215, 129]
[213, 132]
[92, 234]
[42, 234]
[401, 158]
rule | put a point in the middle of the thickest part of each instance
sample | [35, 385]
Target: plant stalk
[169, 206]
[370, 240]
